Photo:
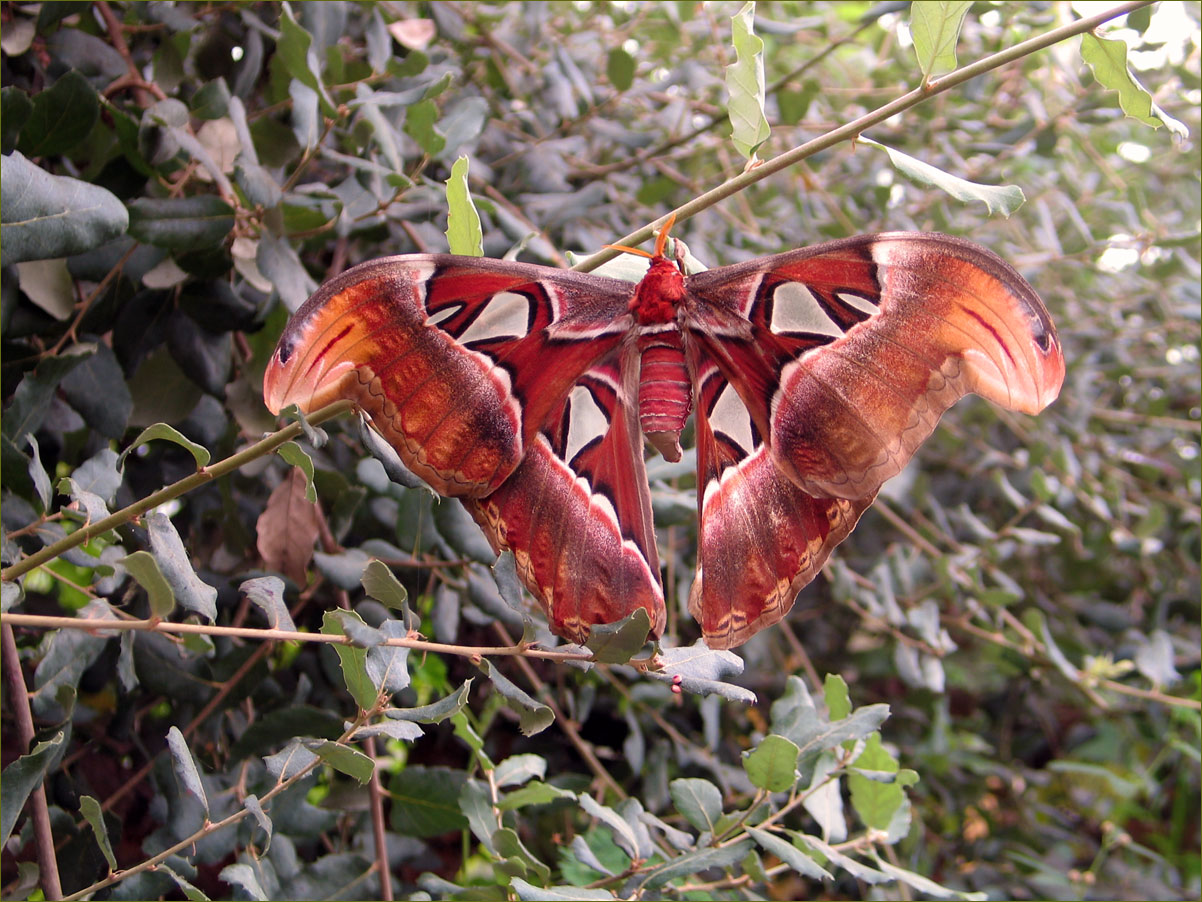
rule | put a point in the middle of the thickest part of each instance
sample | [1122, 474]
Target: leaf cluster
[281, 668]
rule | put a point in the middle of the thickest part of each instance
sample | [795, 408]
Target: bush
[994, 690]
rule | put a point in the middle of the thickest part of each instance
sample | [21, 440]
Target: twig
[206, 474]
[101, 625]
[852, 130]
[38, 810]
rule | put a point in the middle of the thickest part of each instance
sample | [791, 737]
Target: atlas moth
[526, 392]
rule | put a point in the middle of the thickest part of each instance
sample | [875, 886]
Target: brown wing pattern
[844, 357]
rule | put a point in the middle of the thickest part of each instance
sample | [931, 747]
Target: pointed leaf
[617, 643]
[698, 800]
[925, 885]
[935, 26]
[342, 758]
[693, 862]
[145, 569]
[92, 813]
[436, 712]
[1107, 58]
[528, 892]
[169, 552]
[267, 592]
[354, 663]
[295, 455]
[463, 222]
[745, 84]
[185, 768]
[381, 584]
[1004, 199]
[533, 715]
[789, 854]
[21, 778]
[699, 669]
[41, 481]
[623, 833]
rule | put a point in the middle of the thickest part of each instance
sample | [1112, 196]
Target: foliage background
[1025, 599]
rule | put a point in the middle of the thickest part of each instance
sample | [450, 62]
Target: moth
[526, 392]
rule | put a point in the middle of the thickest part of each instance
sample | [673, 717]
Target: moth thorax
[665, 399]
[659, 292]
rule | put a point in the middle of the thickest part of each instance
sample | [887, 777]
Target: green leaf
[698, 800]
[935, 26]
[619, 69]
[508, 845]
[191, 893]
[528, 892]
[436, 712]
[1107, 58]
[772, 765]
[1004, 199]
[617, 643]
[169, 553]
[15, 107]
[745, 84]
[833, 856]
[875, 801]
[62, 116]
[533, 716]
[181, 223]
[299, 59]
[268, 593]
[535, 792]
[475, 801]
[342, 758]
[43, 216]
[838, 703]
[171, 434]
[185, 768]
[623, 832]
[21, 778]
[381, 584]
[145, 569]
[694, 862]
[295, 455]
[353, 661]
[425, 801]
[794, 857]
[90, 809]
[420, 125]
[212, 100]
[925, 885]
[517, 769]
[463, 222]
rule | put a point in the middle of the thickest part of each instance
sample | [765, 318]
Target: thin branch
[853, 129]
[100, 626]
[18, 693]
[202, 476]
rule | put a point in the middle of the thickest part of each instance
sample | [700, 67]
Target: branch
[205, 474]
[856, 127]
